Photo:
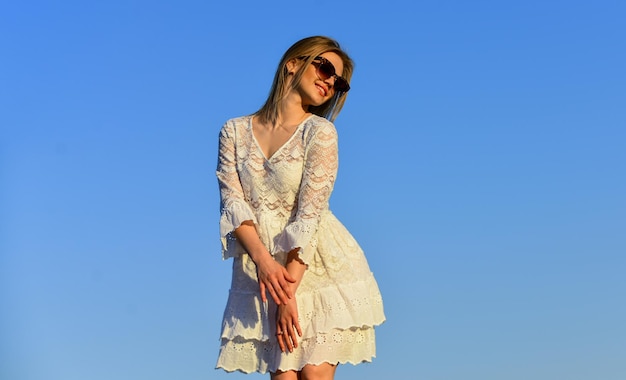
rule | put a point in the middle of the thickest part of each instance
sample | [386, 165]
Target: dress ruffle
[298, 234]
[231, 218]
[352, 346]
[356, 305]
[339, 304]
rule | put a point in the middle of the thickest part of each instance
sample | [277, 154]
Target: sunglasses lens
[341, 84]
[325, 70]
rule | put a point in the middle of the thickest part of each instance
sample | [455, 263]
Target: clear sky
[482, 169]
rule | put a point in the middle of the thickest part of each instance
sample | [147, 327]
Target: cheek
[310, 73]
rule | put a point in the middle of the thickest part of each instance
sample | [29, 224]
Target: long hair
[309, 47]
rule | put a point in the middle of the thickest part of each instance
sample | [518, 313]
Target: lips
[322, 90]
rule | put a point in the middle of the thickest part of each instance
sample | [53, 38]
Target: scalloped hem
[354, 363]
[352, 346]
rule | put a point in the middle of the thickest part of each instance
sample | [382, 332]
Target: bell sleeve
[318, 179]
[234, 209]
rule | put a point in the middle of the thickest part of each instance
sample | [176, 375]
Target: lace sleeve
[318, 179]
[234, 208]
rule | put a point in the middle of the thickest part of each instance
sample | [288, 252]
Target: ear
[291, 66]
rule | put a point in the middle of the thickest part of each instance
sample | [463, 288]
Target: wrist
[291, 302]
[260, 257]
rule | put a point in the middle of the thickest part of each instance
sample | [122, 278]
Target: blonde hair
[307, 49]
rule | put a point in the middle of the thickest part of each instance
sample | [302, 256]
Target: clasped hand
[286, 321]
[274, 278]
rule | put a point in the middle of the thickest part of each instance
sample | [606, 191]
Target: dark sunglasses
[325, 70]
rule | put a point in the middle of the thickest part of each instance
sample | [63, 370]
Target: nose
[329, 82]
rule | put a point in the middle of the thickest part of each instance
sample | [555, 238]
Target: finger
[288, 292]
[279, 336]
[293, 340]
[288, 334]
[288, 276]
[273, 294]
[297, 324]
[262, 289]
[282, 292]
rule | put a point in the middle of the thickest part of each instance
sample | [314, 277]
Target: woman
[276, 170]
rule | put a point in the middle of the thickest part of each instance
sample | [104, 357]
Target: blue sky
[481, 169]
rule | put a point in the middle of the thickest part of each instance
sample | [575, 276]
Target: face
[313, 88]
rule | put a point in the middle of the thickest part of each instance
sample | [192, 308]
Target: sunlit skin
[294, 107]
[282, 282]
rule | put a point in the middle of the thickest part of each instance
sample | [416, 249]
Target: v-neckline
[256, 142]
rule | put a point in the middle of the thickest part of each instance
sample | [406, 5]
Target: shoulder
[317, 125]
[231, 126]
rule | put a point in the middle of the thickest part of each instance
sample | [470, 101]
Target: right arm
[287, 314]
[237, 220]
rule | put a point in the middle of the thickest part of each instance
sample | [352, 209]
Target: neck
[291, 110]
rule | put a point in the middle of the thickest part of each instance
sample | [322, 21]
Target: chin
[322, 101]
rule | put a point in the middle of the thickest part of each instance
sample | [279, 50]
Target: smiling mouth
[322, 90]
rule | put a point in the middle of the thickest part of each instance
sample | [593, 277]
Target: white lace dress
[286, 196]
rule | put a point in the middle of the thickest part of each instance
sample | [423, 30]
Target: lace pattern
[294, 184]
[286, 197]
